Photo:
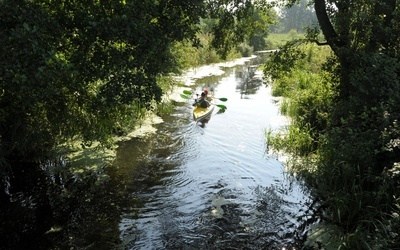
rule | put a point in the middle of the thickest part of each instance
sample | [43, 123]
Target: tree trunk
[326, 26]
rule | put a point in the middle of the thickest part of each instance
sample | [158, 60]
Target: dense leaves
[83, 71]
[283, 61]
[75, 69]
[70, 67]
[355, 168]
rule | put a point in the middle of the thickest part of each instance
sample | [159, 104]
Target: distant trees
[296, 17]
[261, 28]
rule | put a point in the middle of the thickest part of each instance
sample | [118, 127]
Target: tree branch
[320, 43]
[329, 32]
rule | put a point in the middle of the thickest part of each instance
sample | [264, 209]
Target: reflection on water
[211, 185]
[189, 186]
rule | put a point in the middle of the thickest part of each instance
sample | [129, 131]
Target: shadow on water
[47, 207]
[188, 186]
[211, 186]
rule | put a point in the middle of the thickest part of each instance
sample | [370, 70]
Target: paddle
[187, 93]
[185, 96]
[221, 106]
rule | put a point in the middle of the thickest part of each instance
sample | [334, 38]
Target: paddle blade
[187, 92]
[220, 111]
[185, 96]
[221, 106]
[223, 99]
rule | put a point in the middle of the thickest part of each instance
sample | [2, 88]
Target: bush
[344, 141]
[245, 50]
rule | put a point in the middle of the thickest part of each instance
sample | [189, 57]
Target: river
[180, 185]
[212, 185]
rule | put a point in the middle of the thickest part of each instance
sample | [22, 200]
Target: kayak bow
[203, 113]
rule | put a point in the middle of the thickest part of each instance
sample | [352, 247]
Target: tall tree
[363, 35]
[359, 153]
[261, 22]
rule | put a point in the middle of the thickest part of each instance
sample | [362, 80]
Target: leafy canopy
[356, 161]
[79, 69]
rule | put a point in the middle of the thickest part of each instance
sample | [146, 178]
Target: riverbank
[192, 182]
[94, 157]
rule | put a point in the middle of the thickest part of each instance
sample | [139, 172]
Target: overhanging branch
[326, 26]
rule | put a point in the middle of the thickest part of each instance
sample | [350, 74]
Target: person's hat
[205, 92]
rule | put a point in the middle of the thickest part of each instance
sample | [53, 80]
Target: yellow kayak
[202, 113]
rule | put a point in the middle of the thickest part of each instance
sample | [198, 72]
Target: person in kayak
[202, 102]
[208, 98]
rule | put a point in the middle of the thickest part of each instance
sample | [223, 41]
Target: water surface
[211, 185]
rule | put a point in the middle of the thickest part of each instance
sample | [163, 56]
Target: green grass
[274, 41]
[337, 163]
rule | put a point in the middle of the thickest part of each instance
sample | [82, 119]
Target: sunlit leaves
[237, 21]
[76, 69]
[284, 60]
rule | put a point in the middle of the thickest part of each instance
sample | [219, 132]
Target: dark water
[188, 186]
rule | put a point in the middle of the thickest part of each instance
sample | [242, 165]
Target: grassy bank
[360, 203]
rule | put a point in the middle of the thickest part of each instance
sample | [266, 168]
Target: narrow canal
[211, 185]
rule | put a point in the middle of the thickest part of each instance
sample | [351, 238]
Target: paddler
[202, 102]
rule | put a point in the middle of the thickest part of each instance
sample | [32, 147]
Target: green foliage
[293, 140]
[261, 23]
[360, 209]
[295, 17]
[308, 95]
[295, 54]
[74, 70]
[234, 25]
[346, 149]
[354, 169]
[278, 39]
[245, 50]
[293, 34]
[361, 146]
[282, 63]
[189, 56]
[308, 99]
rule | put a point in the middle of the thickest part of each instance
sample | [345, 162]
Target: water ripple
[212, 186]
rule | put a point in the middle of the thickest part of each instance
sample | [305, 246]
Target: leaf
[187, 92]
